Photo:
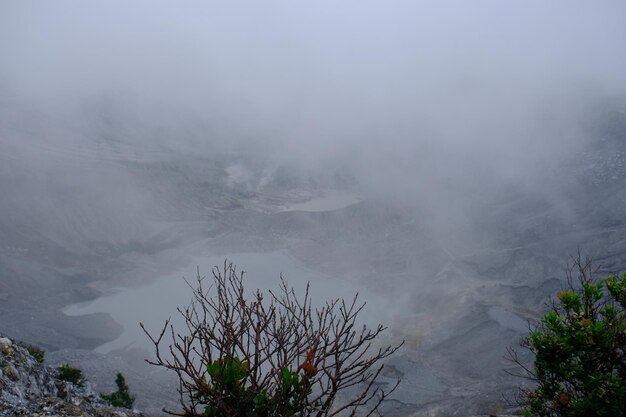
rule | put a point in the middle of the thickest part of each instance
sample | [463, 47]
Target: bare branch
[292, 355]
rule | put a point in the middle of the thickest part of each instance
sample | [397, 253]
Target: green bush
[579, 349]
[37, 353]
[121, 397]
[71, 374]
[227, 381]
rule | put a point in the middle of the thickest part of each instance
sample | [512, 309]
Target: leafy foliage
[71, 374]
[579, 346]
[37, 353]
[121, 397]
[227, 381]
[257, 356]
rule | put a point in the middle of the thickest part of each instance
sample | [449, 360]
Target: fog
[400, 84]
[132, 130]
[420, 101]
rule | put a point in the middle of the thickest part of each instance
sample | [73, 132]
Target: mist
[137, 136]
[403, 84]
[420, 102]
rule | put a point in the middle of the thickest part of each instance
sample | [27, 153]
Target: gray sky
[404, 88]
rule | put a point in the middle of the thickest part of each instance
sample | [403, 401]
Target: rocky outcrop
[29, 388]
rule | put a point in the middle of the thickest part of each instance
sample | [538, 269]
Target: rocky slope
[29, 388]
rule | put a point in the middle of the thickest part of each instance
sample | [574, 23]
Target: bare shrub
[243, 355]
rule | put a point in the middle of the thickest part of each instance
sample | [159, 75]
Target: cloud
[436, 92]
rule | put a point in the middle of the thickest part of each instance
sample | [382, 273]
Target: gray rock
[29, 388]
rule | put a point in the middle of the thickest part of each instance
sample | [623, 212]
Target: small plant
[36, 353]
[227, 381]
[121, 397]
[579, 348]
[71, 374]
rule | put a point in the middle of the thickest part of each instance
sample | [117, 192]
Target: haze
[381, 86]
[456, 153]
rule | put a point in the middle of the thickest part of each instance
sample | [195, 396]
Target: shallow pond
[328, 201]
[152, 304]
